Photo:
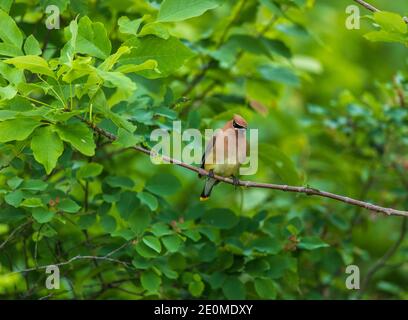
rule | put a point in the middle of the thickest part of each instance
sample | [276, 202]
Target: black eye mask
[236, 125]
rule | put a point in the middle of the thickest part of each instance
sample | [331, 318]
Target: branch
[78, 257]
[251, 184]
[372, 8]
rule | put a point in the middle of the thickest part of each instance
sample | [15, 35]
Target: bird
[224, 162]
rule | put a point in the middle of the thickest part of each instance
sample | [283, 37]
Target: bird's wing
[208, 149]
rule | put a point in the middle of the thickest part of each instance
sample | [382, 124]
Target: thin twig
[250, 184]
[381, 262]
[13, 233]
[78, 257]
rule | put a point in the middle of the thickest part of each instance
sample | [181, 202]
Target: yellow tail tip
[204, 198]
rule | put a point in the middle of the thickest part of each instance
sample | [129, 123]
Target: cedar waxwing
[225, 153]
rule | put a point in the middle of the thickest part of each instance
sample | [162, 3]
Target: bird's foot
[235, 181]
[211, 173]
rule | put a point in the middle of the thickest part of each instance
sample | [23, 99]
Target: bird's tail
[209, 184]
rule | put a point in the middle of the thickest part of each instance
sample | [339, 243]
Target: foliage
[130, 67]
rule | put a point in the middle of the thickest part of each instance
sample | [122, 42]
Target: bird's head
[238, 122]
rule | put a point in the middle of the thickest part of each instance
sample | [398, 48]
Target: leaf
[17, 129]
[220, 218]
[92, 39]
[134, 68]
[108, 223]
[153, 243]
[163, 184]
[155, 28]
[68, 205]
[312, 243]
[149, 200]
[172, 242]
[145, 251]
[233, 289]
[34, 185]
[139, 221]
[6, 5]
[170, 54]
[89, 170]
[79, 136]
[14, 182]
[385, 36]
[177, 10]
[279, 74]
[196, 288]
[150, 281]
[267, 245]
[14, 198]
[42, 215]
[10, 34]
[126, 139]
[281, 164]
[47, 147]
[32, 203]
[31, 46]
[391, 22]
[265, 288]
[121, 182]
[129, 26]
[34, 64]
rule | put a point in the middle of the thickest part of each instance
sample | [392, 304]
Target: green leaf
[149, 200]
[134, 68]
[279, 74]
[42, 215]
[89, 170]
[281, 164]
[120, 182]
[177, 10]
[31, 46]
[312, 243]
[163, 184]
[139, 222]
[155, 28]
[233, 289]
[34, 185]
[265, 288]
[145, 251]
[391, 22]
[170, 54]
[196, 288]
[153, 243]
[92, 39]
[150, 281]
[10, 34]
[68, 205]
[108, 223]
[129, 26]
[34, 64]
[47, 147]
[127, 139]
[6, 5]
[267, 245]
[128, 204]
[220, 218]
[385, 36]
[14, 198]
[172, 242]
[7, 93]
[32, 203]
[17, 129]
[14, 182]
[79, 136]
